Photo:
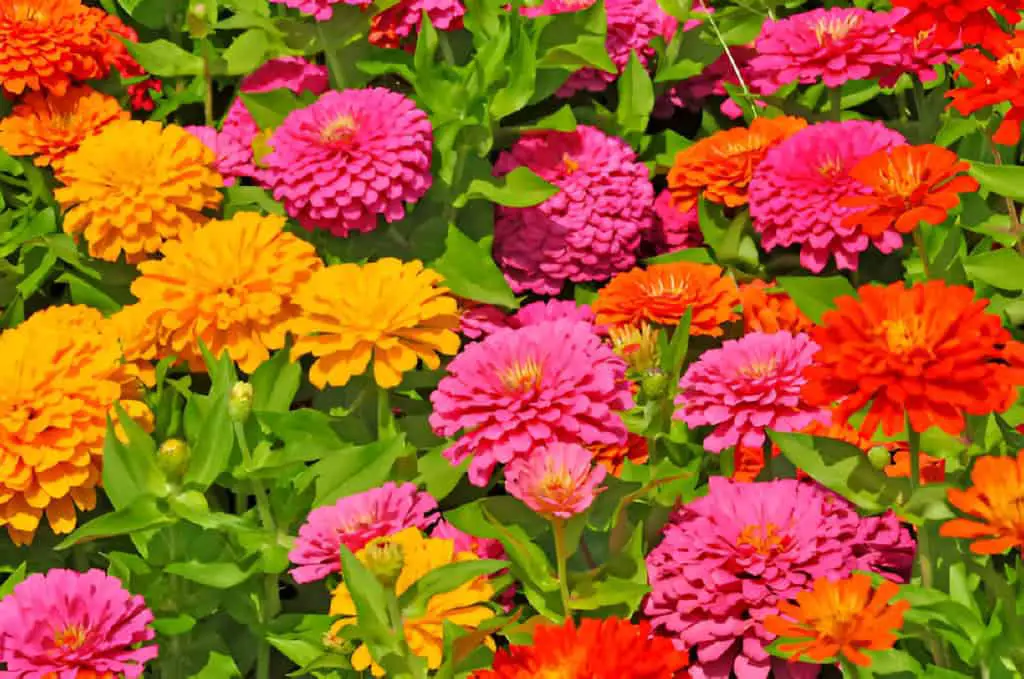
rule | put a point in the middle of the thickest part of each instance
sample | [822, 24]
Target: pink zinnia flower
[589, 230]
[70, 624]
[749, 385]
[692, 92]
[728, 558]
[522, 388]
[796, 190]
[831, 45]
[354, 521]
[321, 10]
[921, 54]
[392, 26]
[557, 481]
[234, 159]
[674, 229]
[291, 73]
[485, 319]
[349, 158]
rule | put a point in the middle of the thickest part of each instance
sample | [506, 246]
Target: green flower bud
[172, 458]
[654, 385]
[240, 402]
[197, 21]
[880, 457]
[385, 559]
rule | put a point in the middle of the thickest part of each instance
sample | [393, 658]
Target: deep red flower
[969, 20]
[993, 82]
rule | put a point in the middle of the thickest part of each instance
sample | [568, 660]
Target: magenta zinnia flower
[397, 23]
[354, 521]
[234, 158]
[796, 190]
[67, 624]
[589, 230]
[557, 481]
[831, 45]
[349, 158]
[728, 559]
[522, 388]
[290, 73]
[321, 10]
[485, 319]
[674, 229]
[749, 385]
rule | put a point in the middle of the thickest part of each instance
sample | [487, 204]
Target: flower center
[840, 618]
[522, 376]
[834, 28]
[28, 11]
[902, 181]
[666, 286]
[71, 638]
[922, 36]
[341, 129]
[1012, 63]
[757, 369]
[764, 539]
[569, 164]
[902, 335]
[556, 485]
[830, 167]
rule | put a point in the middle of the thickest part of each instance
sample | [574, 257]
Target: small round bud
[197, 21]
[880, 457]
[172, 458]
[240, 402]
[654, 385]
[385, 559]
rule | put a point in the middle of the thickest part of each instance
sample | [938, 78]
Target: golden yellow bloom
[393, 312]
[465, 606]
[50, 127]
[60, 375]
[136, 185]
[230, 284]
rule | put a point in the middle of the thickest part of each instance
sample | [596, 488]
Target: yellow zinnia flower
[465, 606]
[230, 284]
[393, 312]
[61, 372]
[136, 185]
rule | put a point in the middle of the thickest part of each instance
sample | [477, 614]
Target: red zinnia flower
[969, 20]
[994, 82]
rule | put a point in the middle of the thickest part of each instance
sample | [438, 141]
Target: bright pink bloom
[354, 521]
[833, 46]
[66, 624]
[397, 23]
[485, 548]
[321, 10]
[728, 558]
[557, 481]
[674, 229]
[796, 190]
[291, 73]
[522, 388]
[589, 230]
[350, 158]
[746, 386]
[233, 159]
[486, 319]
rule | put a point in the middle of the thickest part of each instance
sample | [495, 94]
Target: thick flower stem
[1011, 206]
[561, 564]
[923, 252]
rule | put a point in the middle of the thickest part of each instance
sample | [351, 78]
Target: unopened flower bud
[654, 385]
[172, 458]
[197, 21]
[880, 457]
[240, 402]
[385, 559]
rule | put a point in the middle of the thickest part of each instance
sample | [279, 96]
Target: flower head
[321, 10]
[232, 157]
[353, 521]
[50, 127]
[556, 481]
[294, 74]
[930, 351]
[608, 648]
[796, 192]
[478, 320]
[908, 185]
[519, 389]
[391, 312]
[932, 469]
[767, 310]
[349, 158]
[614, 457]
[720, 166]
[74, 625]
[992, 82]
[587, 231]
[994, 505]
[673, 228]
[922, 51]
[662, 293]
[394, 26]
[637, 345]
[972, 21]
[465, 606]
[136, 185]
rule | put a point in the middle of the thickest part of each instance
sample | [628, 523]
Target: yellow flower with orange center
[465, 606]
[391, 312]
[136, 185]
[994, 505]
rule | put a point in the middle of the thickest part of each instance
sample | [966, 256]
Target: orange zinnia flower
[933, 469]
[992, 83]
[930, 351]
[769, 311]
[721, 165]
[840, 619]
[50, 127]
[909, 185]
[662, 293]
[995, 503]
[614, 457]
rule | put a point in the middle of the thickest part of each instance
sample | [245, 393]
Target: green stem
[1011, 206]
[835, 97]
[922, 251]
[208, 82]
[561, 562]
[732, 60]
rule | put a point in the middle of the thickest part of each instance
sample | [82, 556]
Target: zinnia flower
[673, 228]
[136, 185]
[61, 374]
[692, 92]
[321, 10]
[233, 159]
[519, 389]
[932, 469]
[968, 20]
[662, 293]
[394, 26]
[556, 481]
[796, 192]
[721, 166]
[749, 385]
[840, 619]
[597, 648]
[465, 606]
[49, 127]
[993, 82]
[730, 558]
[921, 52]
[391, 312]
[116, 56]
[614, 457]
[638, 346]
[587, 231]
[767, 310]
[478, 320]
[834, 46]
[909, 185]
[994, 505]
[355, 520]
[350, 158]
[930, 351]
[231, 285]
[69, 624]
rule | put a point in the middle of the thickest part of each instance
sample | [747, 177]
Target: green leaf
[816, 295]
[129, 469]
[673, 357]
[164, 58]
[246, 52]
[371, 603]
[470, 272]
[269, 109]
[636, 96]
[218, 666]
[446, 578]
[213, 443]
[1005, 180]
[522, 78]
[561, 120]
[521, 187]
[224, 575]
[439, 476]
[1002, 268]
[275, 383]
[697, 50]
[356, 469]
[13, 580]
[141, 515]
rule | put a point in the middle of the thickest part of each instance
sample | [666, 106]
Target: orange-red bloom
[933, 469]
[994, 503]
[909, 185]
[662, 293]
[765, 310]
[840, 619]
[930, 351]
[614, 457]
[721, 165]
[994, 82]
[953, 21]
